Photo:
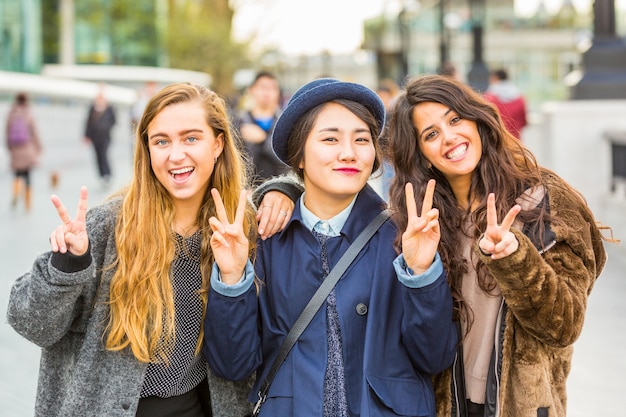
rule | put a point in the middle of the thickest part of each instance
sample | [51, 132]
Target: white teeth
[457, 152]
[181, 170]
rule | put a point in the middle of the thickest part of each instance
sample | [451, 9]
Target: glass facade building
[20, 35]
[112, 32]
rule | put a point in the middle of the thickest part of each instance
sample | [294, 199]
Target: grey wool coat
[65, 313]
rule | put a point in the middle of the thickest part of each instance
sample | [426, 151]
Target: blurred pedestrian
[385, 327]
[255, 125]
[521, 247]
[24, 148]
[100, 122]
[136, 110]
[117, 304]
[509, 100]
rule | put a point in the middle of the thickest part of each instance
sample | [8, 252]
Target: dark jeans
[195, 403]
[101, 147]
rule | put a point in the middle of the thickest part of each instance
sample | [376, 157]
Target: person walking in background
[117, 305]
[24, 147]
[385, 327]
[143, 96]
[520, 245]
[255, 125]
[509, 100]
[100, 121]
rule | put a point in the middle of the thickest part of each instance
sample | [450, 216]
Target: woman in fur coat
[520, 245]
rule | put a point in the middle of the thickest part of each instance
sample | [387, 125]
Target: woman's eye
[364, 139]
[430, 135]
[329, 139]
[455, 119]
[160, 142]
[192, 139]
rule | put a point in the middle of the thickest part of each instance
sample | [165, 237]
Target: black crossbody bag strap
[316, 302]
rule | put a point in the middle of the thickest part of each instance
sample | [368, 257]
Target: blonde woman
[117, 304]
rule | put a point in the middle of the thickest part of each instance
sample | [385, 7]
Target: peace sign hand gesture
[498, 240]
[72, 234]
[421, 237]
[229, 242]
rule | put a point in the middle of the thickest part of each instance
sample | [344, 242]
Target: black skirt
[195, 403]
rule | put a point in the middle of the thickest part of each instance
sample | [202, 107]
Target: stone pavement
[595, 383]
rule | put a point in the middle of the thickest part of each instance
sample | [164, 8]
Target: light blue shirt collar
[330, 227]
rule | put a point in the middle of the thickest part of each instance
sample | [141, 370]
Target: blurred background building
[541, 47]
[57, 49]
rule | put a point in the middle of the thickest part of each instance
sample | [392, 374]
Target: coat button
[361, 309]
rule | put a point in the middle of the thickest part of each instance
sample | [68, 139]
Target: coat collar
[367, 206]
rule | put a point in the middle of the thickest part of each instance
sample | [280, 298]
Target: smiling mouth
[457, 152]
[181, 172]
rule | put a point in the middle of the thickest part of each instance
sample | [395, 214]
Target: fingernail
[261, 231]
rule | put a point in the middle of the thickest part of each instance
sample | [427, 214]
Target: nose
[347, 151]
[177, 151]
[449, 135]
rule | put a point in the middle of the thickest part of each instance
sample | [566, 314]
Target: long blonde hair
[142, 314]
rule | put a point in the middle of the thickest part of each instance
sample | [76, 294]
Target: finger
[61, 210]
[286, 218]
[220, 210]
[427, 204]
[54, 245]
[59, 238]
[432, 219]
[218, 238]
[411, 207]
[509, 219]
[492, 215]
[216, 225]
[272, 220]
[241, 208]
[81, 213]
[265, 223]
[281, 217]
[265, 216]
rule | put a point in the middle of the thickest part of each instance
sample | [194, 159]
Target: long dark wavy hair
[506, 169]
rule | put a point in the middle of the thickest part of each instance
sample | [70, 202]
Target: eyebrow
[336, 129]
[181, 133]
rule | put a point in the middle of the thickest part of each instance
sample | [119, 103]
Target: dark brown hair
[506, 169]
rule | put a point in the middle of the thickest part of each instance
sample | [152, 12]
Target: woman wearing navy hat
[386, 326]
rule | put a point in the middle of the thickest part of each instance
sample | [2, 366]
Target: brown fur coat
[546, 296]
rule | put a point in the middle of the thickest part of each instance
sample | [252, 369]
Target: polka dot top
[185, 369]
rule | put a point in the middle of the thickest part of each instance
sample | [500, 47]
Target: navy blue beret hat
[315, 93]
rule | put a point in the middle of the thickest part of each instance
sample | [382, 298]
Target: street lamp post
[444, 54]
[604, 63]
[67, 55]
[478, 76]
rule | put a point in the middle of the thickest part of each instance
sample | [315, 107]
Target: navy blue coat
[390, 350]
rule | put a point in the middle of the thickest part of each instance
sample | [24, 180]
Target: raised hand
[274, 213]
[71, 235]
[421, 237]
[229, 241]
[498, 240]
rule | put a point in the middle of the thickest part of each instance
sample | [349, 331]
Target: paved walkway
[595, 384]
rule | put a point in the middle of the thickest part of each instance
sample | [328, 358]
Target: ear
[218, 147]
